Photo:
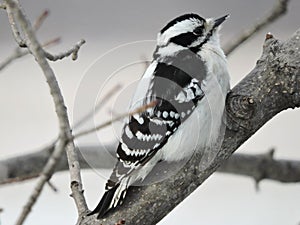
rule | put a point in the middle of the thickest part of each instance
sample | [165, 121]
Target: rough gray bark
[271, 87]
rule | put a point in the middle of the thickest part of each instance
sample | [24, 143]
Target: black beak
[219, 21]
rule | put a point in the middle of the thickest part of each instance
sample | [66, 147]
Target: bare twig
[121, 116]
[98, 106]
[19, 179]
[51, 185]
[18, 53]
[65, 129]
[43, 178]
[279, 9]
[51, 42]
[72, 51]
[40, 20]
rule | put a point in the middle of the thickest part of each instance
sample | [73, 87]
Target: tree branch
[259, 167]
[278, 10]
[40, 20]
[262, 166]
[272, 86]
[19, 52]
[65, 137]
[72, 51]
[22, 43]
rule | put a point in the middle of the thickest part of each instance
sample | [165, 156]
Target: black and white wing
[175, 84]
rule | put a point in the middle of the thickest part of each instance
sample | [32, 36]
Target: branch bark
[18, 20]
[271, 87]
[262, 166]
[258, 167]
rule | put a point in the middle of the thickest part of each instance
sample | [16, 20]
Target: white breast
[202, 128]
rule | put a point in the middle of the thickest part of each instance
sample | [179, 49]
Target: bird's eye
[198, 30]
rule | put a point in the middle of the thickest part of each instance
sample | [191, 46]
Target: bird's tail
[113, 197]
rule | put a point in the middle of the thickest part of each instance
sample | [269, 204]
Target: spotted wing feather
[175, 84]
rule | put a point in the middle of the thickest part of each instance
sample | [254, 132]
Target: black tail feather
[103, 207]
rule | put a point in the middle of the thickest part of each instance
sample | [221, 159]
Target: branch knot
[239, 110]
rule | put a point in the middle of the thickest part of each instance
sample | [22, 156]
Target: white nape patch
[165, 114]
[139, 119]
[184, 26]
[170, 50]
[128, 132]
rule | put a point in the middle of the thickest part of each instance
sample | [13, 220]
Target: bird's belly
[201, 129]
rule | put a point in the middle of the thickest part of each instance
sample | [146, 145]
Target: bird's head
[190, 31]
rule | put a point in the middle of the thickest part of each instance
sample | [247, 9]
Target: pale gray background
[28, 120]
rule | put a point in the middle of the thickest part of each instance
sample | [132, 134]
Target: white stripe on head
[181, 27]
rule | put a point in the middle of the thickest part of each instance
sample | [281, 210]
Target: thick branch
[259, 167]
[272, 86]
[262, 166]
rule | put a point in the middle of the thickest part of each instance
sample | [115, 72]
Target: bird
[187, 80]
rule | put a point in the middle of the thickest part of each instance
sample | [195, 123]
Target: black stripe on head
[181, 18]
[206, 39]
[184, 39]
